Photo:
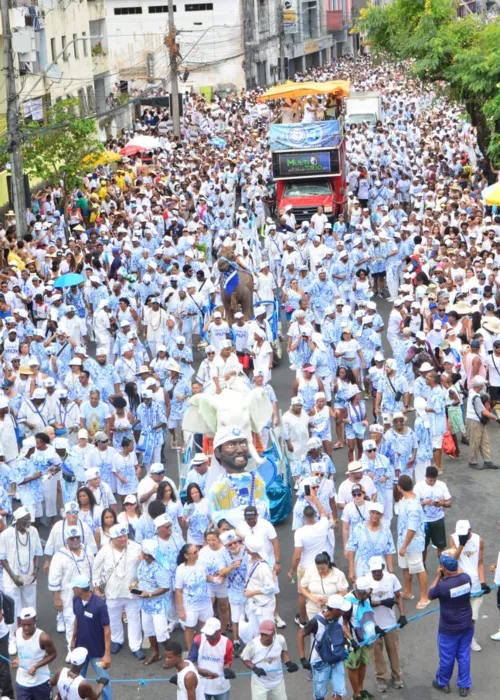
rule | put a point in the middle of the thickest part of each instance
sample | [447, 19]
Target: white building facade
[224, 42]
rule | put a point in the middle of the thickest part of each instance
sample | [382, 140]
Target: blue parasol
[218, 142]
[71, 279]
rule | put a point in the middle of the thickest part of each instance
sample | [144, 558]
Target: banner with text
[284, 137]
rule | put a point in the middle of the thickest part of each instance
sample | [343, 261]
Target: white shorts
[195, 616]
[217, 590]
[437, 442]
[237, 612]
[413, 561]
[155, 625]
[174, 423]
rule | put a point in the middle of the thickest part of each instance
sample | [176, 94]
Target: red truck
[309, 166]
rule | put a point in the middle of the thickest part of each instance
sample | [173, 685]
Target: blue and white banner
[285, 137]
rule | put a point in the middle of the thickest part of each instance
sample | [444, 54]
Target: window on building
[199, 7]
[157, 9]
[75, 46]
[85, 45]
[53, 50]
[91, 99]
[63, 44]
[128, 10]
[263, 8]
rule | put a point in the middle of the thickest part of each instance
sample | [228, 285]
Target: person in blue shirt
[456, 627]
[92, 630]
[411, 539]
[198, 471]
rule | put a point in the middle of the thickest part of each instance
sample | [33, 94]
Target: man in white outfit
[260, 589]
[71, 560]
[20, 552]
[470, 549]
[8, 440]
[296, 433]
[115, 569]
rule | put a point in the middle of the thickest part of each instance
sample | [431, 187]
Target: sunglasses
[372, 449]
[232, 544]
[357, 493]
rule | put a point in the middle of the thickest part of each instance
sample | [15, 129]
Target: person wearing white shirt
[264, 655]
[319, 220]
[217, 329]
[71, 560]
[434, 497]
[295, 424]
[355, 476]
[20, 552]
[309, 540]
[259, 590]
[262, 354]
[115, 570]
[385, 596]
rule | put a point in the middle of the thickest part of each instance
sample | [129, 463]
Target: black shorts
[436, 533]
[495, 393]
[378, 275]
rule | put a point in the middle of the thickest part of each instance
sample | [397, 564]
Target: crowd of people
[389, 318]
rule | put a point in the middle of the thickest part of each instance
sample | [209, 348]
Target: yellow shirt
[14, 257]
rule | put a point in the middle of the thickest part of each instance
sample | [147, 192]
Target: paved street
[474, 497]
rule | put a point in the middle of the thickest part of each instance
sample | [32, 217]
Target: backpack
[7, 606]
[331, 646]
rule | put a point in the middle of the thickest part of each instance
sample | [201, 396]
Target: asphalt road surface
[475, 496]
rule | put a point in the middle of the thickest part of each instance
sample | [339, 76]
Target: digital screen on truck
[306, 163]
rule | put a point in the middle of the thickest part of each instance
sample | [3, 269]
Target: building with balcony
[60, 53]
[224, 42]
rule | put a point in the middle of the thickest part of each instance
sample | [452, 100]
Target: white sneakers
[496, 637]
[280, 624]
[474, 645]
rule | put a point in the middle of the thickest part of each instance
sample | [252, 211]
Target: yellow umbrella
[491, 195]
[340, 88]
[95, 159]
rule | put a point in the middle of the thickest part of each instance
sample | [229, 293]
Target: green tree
[459, 55]
[54, 152]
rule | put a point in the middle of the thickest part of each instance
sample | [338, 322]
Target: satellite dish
[54, 73]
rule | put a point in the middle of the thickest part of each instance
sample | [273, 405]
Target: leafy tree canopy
[461, 55]
[54, 152]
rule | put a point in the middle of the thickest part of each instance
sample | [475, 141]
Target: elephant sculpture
[242, 297]
[251, 412]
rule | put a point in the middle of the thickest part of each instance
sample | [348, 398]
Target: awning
[340, 88]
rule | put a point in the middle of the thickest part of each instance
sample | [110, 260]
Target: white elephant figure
[207, 413]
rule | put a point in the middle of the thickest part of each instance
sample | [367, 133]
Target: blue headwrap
[449, 563]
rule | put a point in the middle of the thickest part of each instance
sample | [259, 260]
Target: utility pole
[172, 47]
[13, 130]
[281, 30]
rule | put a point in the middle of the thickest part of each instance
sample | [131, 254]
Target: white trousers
[49, 490]
[24, 597]
[392, 282]
[69, 621]
[132, 608]
[420, 467]
[261, 693]
[388, 505]
[249, 630]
